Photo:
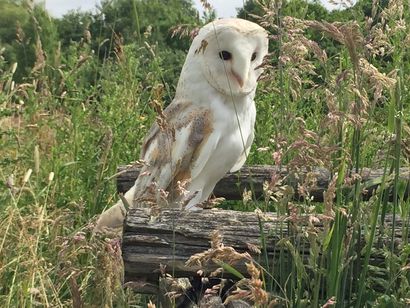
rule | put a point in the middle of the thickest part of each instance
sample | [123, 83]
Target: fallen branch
[251, 178]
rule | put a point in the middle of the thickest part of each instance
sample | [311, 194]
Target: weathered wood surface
[231, 187]
[171, 238]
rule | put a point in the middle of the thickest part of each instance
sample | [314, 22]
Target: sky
[224, 8]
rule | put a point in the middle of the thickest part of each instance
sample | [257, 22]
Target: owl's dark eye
[225, 55]
[253, 56]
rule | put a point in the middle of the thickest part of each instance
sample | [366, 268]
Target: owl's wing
[176, 151]
[176, 148]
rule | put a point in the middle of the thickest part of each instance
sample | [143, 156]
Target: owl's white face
[230, 52]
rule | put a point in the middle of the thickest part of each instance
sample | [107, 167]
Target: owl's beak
[238, 79]
[240, 70]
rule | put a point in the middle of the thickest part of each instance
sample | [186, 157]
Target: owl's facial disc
[230, 60]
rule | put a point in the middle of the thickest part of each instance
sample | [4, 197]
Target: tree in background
[136, 24]
[12, 36]
[134, 18]
[72, 26]
[295, 8]
[28, 35]
[26, 30]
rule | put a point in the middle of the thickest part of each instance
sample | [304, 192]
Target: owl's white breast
[234, 122]
[233, 119]
[232, 129]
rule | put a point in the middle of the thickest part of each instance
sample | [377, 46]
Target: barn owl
[208, 128]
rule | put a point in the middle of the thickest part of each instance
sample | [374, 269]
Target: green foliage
[134, 18]
[71, 27]
[23, 28]
[12, 15]
[77, 105]
[296, 8]
[12, 36]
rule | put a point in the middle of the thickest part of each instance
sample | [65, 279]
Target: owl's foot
[111, 221]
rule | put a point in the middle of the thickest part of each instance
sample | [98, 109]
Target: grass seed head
[329, 196]
[14, 68]
[36, 159]
[217, 253]
[151, 305]
[50, 177]
[27, 176]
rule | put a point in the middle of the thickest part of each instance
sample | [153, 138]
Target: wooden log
[174, 236]
[232, 186]
[168, 240]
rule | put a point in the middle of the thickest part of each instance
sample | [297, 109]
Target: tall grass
[71, 137]
[353, 100]
[334, 95]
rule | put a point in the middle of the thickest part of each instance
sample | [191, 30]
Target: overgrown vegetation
[75, 102]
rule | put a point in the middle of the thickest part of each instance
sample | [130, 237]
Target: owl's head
[230, 52]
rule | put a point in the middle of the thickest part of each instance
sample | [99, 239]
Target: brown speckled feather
[171, 151]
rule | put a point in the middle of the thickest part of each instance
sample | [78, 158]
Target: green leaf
[328, 237]
[229, 269]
